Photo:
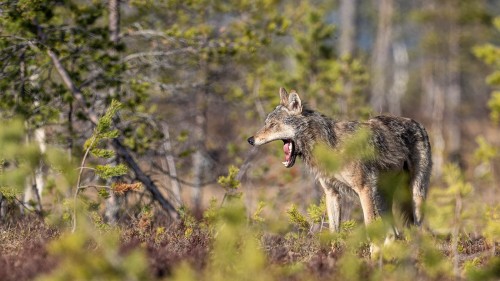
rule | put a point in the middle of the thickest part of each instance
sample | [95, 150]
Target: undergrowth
[228, 241]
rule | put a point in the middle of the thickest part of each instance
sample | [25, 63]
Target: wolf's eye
[272, 125]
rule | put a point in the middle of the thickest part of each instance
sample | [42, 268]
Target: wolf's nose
[251, 140]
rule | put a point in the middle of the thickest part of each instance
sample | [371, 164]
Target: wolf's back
[406, 139]
[403, 144]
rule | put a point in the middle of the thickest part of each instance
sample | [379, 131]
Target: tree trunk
[347, 27]
[381, 55]
[114, 20]
[435, 91]
[174, 180]
[112, 202]
[35, 183]
[401, 78]
[453, 95]
[199, 157]
[346, 48]
[442, 82]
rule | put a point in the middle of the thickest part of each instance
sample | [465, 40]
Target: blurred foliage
[485, 153]
[490, 54]
[257, 215]
[229, 181]
[103, 132]
[332, 84]
[120, 188]
[230, 184]
[442, 203]
[492, 227]
[18, 158]
[215, 47]
[298, 219]
[238, 249]
[93, 254]
[317, 212]
[356, 147]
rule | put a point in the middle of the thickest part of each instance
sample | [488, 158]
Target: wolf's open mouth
[289, 149]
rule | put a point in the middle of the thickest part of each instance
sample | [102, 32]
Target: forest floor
[24, 253]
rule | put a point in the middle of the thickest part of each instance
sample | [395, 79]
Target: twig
[95, 186]
[85, 168]
[455, 234]
[158, 53]
[184, 182]
[78, 187]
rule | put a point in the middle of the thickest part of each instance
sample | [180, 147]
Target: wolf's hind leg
[333, 208]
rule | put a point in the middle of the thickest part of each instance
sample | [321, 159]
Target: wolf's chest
[345, 176]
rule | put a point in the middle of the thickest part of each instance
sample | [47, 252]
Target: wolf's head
[281, 124]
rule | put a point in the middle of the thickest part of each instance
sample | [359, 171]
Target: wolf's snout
[251, 140]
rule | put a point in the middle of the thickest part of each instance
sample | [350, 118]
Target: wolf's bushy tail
[420, 167]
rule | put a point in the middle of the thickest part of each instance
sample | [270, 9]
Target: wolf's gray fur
[400, 144]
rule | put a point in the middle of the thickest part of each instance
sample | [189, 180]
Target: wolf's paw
[375, 250]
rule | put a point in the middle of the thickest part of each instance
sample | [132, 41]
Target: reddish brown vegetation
[24, 255]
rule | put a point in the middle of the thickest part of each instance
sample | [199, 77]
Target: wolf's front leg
[368, 204]
[333, 208]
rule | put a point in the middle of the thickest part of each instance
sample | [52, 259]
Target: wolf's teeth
[285, 163]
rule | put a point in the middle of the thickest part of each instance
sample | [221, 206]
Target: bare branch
[71, 86]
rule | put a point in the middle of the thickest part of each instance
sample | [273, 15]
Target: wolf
[401, 145]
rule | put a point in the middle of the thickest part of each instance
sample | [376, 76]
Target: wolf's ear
[294, 103]
[283, 97]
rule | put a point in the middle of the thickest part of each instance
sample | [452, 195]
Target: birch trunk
[199, 157]
[453, 95]
[169, 158]
[348, 27]
[35, 183]
[433, 85]
[401, 78]
[346, 47]
[112, 202]
[114, 20]
[381, 55]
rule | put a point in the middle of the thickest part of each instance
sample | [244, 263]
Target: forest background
[124, 126]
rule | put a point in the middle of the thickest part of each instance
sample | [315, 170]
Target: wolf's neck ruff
[311, 129]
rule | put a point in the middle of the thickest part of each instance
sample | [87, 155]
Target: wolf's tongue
[286, 148]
